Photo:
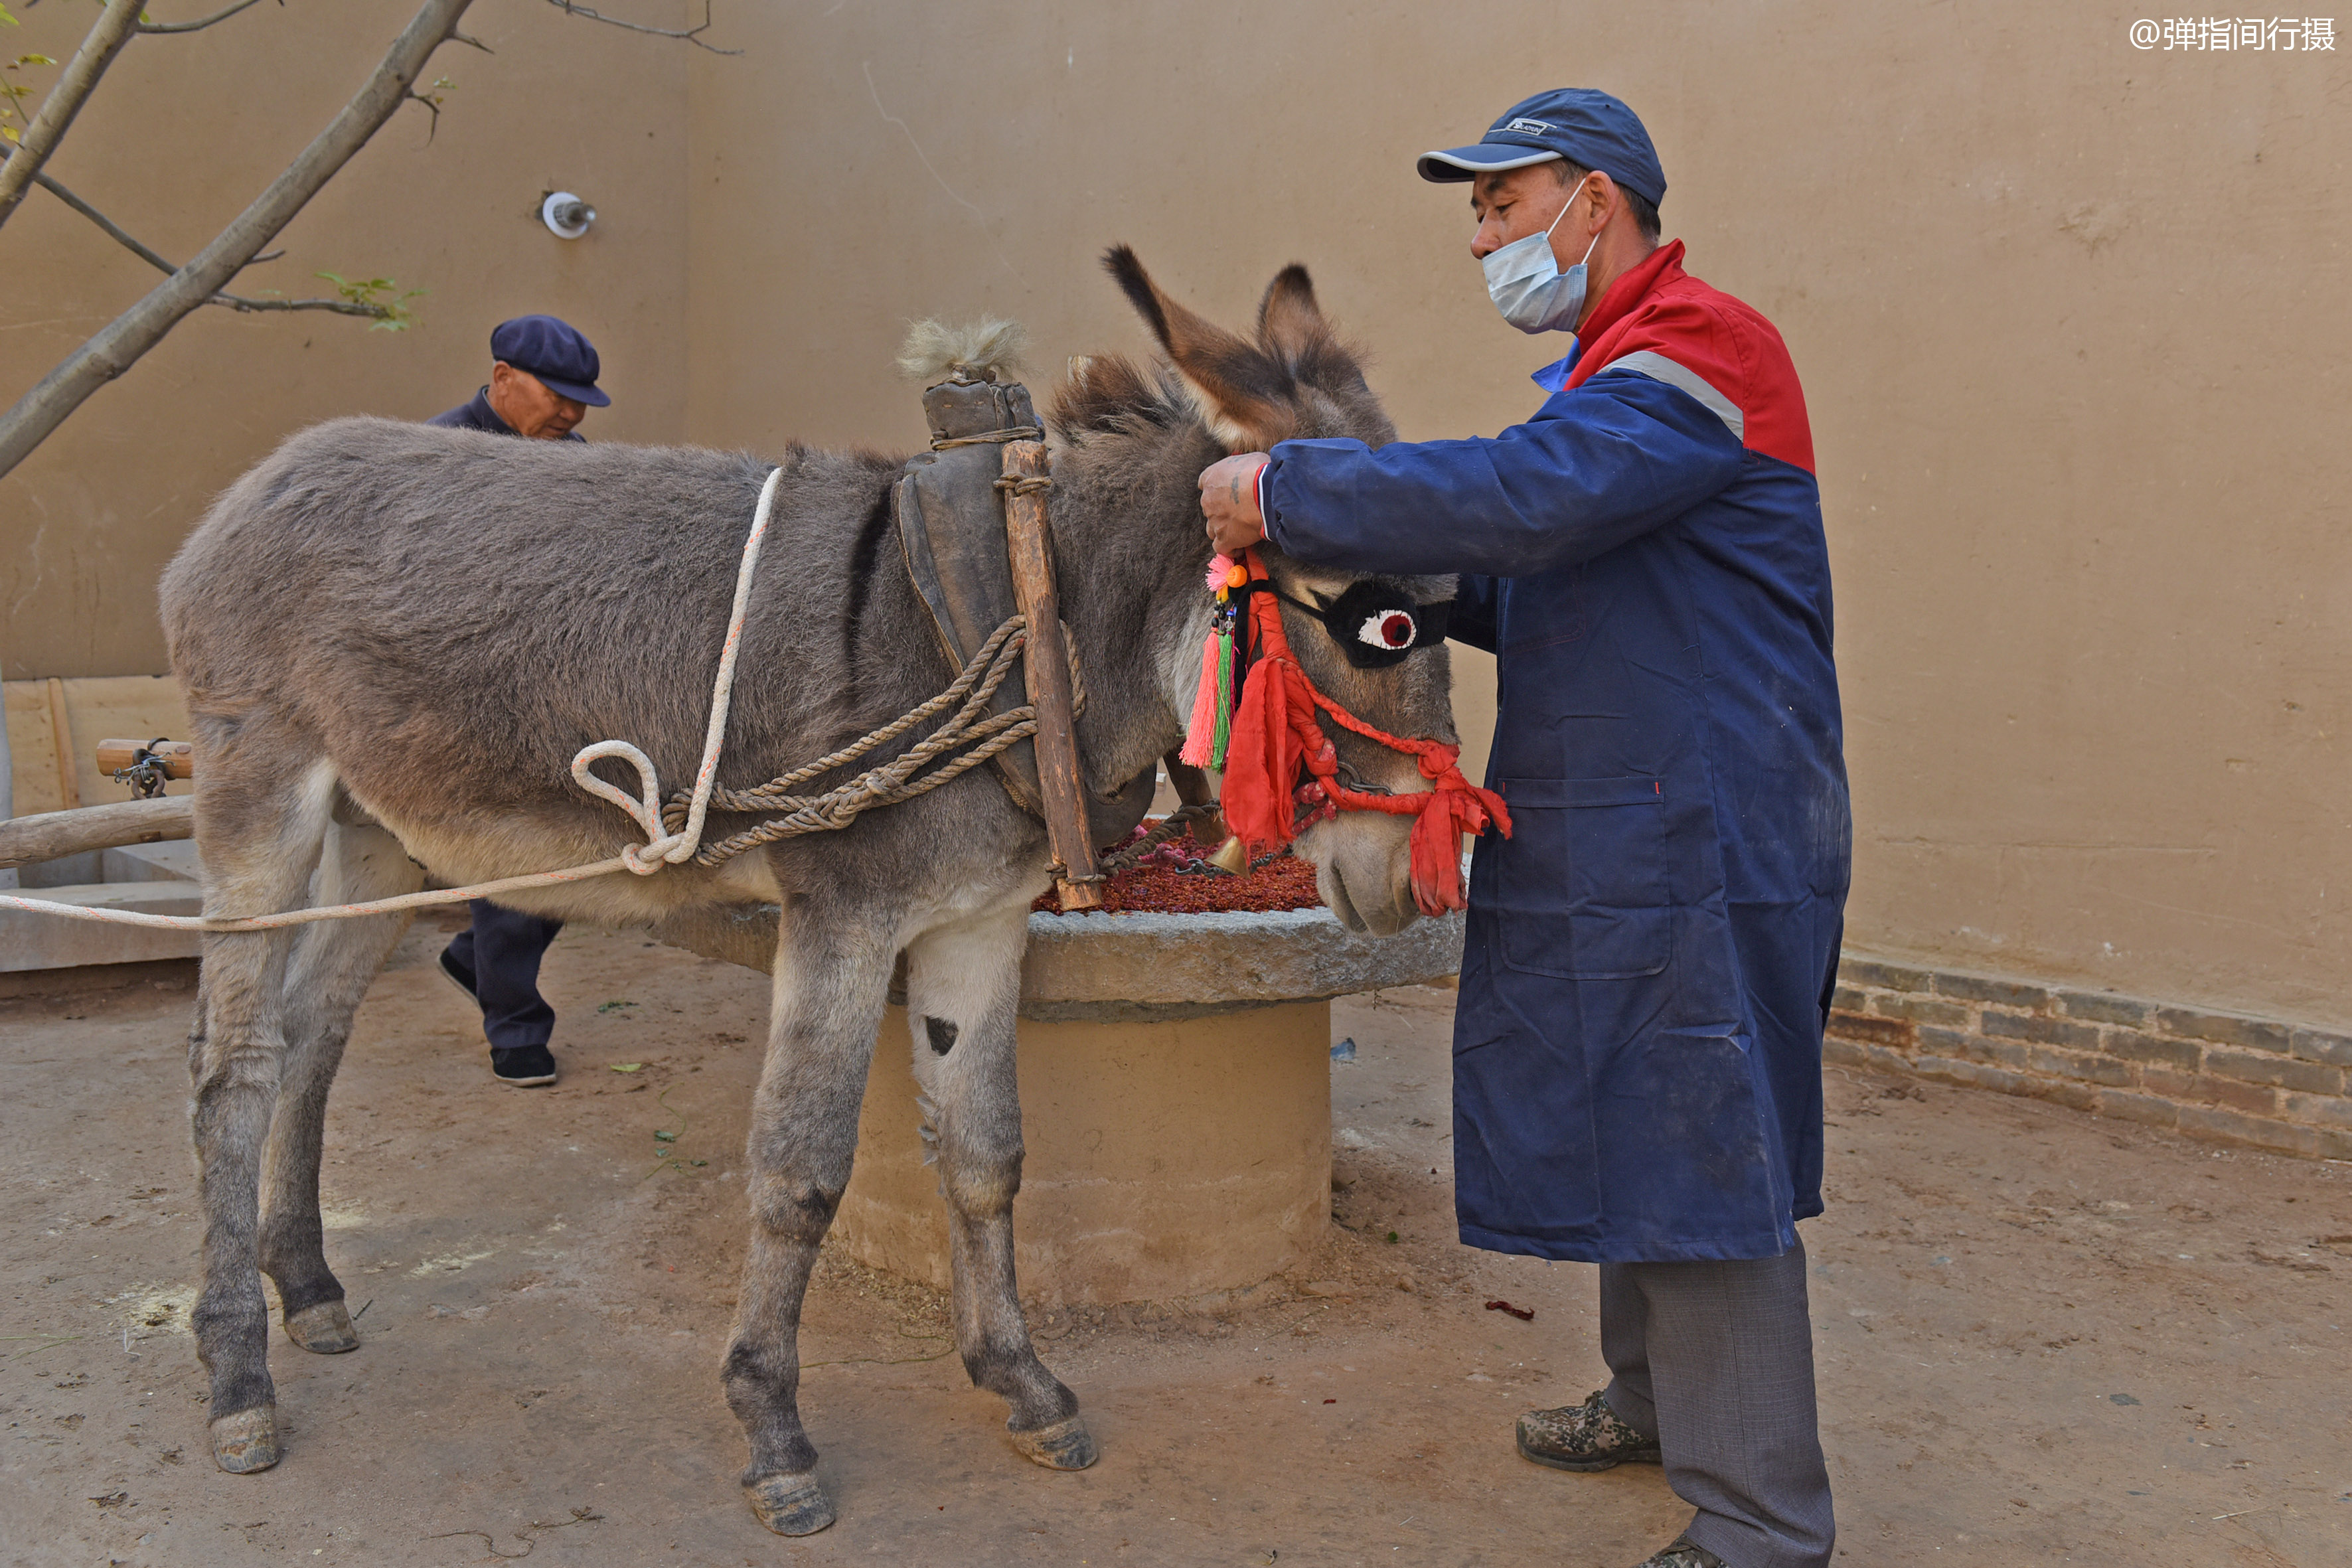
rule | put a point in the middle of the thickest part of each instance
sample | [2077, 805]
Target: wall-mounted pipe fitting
[566, 216]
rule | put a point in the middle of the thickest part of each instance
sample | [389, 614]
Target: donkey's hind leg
[261, 811]
[334, 963]
[963, 987]
[832, 971]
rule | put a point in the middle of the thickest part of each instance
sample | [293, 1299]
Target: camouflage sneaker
[1684, 1553]
[1587, 1436]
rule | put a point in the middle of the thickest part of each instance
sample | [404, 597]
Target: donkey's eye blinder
[1376, 624]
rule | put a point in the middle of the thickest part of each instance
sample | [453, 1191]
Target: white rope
[669, 849]
[659, 849]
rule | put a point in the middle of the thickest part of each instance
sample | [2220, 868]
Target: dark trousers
[1715, 1360]
[500, 953]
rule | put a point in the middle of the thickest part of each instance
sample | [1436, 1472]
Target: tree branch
[65, 100]
[340, 307]
[121, 344]
[221, 16]
[104, 222]
[236, 303]
[691, 35]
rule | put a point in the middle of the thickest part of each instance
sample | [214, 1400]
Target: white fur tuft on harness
[977, 351]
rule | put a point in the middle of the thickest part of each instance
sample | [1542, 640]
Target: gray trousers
[1716, 1361]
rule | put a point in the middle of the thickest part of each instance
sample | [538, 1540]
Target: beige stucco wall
[181, 133]
[2070, 317]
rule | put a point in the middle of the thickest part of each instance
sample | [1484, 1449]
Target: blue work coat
[478, 415]
[1649, 959]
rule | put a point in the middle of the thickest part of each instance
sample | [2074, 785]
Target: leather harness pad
[951, 532]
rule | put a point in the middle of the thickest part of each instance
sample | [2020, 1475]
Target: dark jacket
[479, 416]
[1637, 1043]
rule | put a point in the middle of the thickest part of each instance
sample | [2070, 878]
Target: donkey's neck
[1129, 555]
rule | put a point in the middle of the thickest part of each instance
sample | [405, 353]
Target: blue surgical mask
[1526, 283]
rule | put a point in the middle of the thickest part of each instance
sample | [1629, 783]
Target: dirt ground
[2042, 1338]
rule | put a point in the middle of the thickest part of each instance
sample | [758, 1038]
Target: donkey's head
[1221, 392]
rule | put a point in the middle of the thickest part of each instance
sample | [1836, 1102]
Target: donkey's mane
[1110, 394]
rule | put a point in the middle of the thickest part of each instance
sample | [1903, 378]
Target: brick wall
[2220, 1077]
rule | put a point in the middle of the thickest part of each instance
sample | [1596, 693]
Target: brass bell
[1232, 858]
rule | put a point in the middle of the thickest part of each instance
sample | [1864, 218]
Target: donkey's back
[444, 617]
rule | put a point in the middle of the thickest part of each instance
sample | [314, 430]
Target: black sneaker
[457, 975]
[524, 1067]
[1684, 1553]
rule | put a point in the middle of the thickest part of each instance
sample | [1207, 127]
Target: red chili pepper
[1160, 887]
[1524, 1314]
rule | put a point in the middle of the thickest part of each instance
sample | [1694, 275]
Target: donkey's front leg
[832, 973]
[963, 987]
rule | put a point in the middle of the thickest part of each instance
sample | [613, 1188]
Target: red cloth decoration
[1274, 736]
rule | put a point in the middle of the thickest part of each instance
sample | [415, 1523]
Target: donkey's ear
[1245, 395]
[1289, 322]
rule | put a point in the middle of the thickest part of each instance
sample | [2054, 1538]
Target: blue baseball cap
[554, 352]
[1578, 123]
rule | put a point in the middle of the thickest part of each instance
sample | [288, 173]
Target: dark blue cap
[1578, 123]
[554, 352]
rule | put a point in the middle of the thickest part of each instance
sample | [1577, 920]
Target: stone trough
[1175, 1099]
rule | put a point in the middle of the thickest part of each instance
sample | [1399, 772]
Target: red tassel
[1437, 833]
[1261, 761]
[1200, 734]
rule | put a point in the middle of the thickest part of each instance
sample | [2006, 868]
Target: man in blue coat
[1649, 960]
[543, 383]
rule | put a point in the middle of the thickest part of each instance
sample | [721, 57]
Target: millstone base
[1166, 1159]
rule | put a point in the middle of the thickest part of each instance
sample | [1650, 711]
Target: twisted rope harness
[972, 726]
[673, 829]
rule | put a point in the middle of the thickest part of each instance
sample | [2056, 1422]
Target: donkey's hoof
[247, 1441]
[323, 1329]
[1063, 1446]
[790, 1505]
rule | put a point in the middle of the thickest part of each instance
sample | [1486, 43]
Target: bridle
[1282, 774]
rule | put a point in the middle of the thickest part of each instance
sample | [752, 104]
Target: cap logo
[1529, 127]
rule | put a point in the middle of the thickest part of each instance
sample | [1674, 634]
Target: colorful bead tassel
[1204, 735]
[1210, 731]
[1223, 642]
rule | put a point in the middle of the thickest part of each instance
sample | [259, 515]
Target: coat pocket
[1581, 888]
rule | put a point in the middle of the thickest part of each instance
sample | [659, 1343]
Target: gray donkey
[392, 640]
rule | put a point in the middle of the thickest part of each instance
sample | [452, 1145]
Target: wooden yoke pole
[51, 835]
[1046, 668]
[178, 757]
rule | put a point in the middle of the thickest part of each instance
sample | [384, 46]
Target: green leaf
[667, 1136]
[628, 1067]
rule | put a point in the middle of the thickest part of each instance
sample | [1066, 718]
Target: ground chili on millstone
[1173, 880]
